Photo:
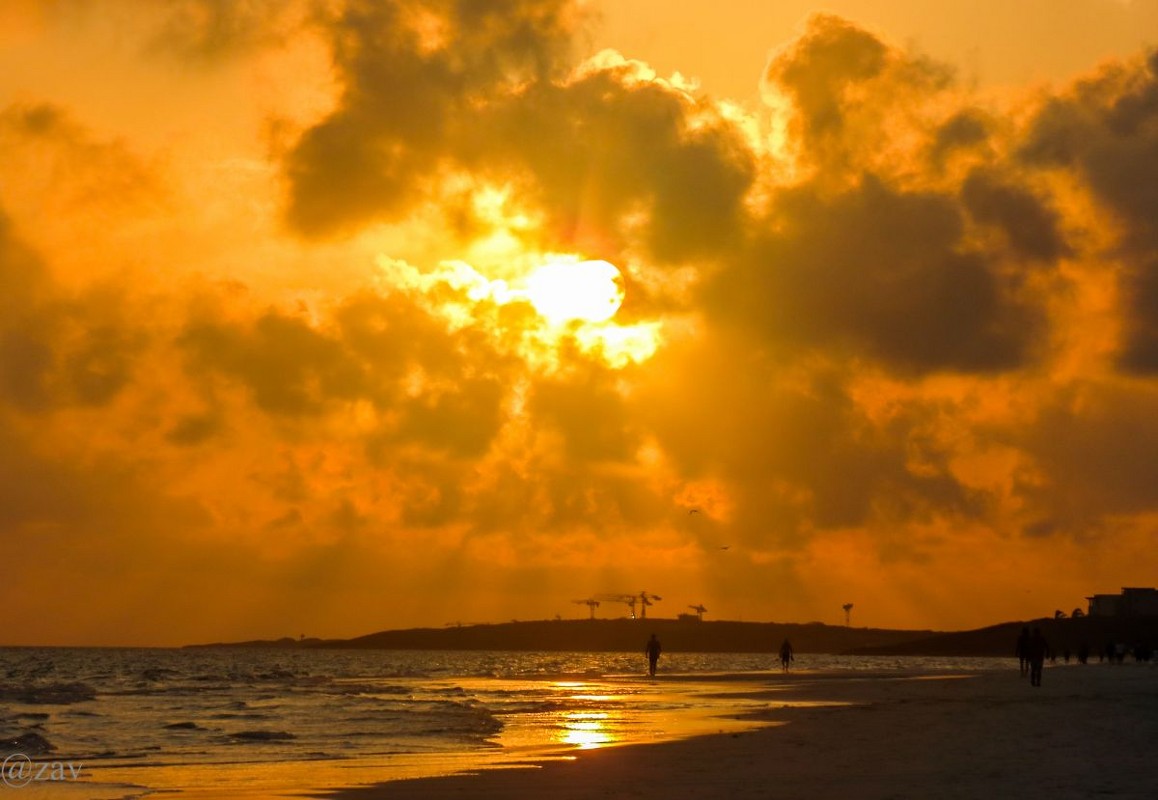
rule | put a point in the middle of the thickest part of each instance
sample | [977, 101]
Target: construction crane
[628, 599]
[699, 610]
[590, 602]
[645, 601]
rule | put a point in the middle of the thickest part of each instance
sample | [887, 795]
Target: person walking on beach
[1022, 652]
[653, 650]
[786, 654]
[1036, 650]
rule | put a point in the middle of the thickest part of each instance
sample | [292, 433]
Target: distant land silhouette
[627, 635]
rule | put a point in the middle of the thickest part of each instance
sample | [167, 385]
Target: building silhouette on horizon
[1132, 602]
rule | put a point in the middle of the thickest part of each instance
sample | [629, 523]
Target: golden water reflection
[573, 715]
[586, 729]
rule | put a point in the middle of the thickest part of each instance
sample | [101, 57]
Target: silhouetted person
[1022, 657]
[786, 654]
[1036, 651]
[653, 650]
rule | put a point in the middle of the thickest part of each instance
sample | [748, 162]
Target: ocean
[109, 724]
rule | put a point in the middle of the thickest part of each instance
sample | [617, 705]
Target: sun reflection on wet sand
[585, 730]
[564, 718]
[608, 712]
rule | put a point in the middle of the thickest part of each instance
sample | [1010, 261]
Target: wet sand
[1089, 731]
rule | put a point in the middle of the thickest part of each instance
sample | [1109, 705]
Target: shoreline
[1087, 731]
[576, 714]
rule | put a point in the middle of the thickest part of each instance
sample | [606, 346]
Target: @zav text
[19, 770]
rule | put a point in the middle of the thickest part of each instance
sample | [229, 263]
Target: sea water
[118, 723]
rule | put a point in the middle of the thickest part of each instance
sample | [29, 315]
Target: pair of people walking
[1032, 651]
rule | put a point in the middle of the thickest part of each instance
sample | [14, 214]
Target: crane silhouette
[699, 610]
[590, 602]
[628, 599]
[645, 601]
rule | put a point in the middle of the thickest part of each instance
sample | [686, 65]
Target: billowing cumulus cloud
[1105, 130]
[432, 90]
[880, 270]
[883, 333]
[414, 77]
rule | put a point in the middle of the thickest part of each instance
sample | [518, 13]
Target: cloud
[852, 96]
[1092, 448]
[879, 271]
[894, 335]
[413, 75]
[58, 349]
[615, 156]
[589, 413]
[288, 367]
[821, 71]
[594, 147]
[208, 29]
[1031, 227]
[964, 130]
[1106, 129]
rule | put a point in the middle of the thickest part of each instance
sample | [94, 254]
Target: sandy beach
[1089, 731]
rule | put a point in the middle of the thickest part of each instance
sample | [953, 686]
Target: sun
[567, 290]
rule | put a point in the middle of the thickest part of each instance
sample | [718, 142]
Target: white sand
[1089, 731]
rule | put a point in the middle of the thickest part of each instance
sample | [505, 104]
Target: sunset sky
[333, 316]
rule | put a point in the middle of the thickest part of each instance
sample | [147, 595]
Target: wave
[47, 694]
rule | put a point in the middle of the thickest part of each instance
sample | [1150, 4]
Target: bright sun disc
[561, 291]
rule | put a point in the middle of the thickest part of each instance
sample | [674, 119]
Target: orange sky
[301, 330]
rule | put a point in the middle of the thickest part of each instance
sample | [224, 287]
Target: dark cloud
[194, 429]
[393, 333]
[38, 120]
[1094, 449]
[436, 388]
[1140, 351]
[597, 149]
[590, 414]
[795, 448]
[463, 378]
[1030, 226]
[965, 130]
[879, 271]
[58, 349]
[1106, 130]
[26, 355]
[848, 89]
[70, 172]
[413, 73]
[103, 363]
[463, 419]
[821, 68]
[288, 367]
[452, 85]
[209, 29]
